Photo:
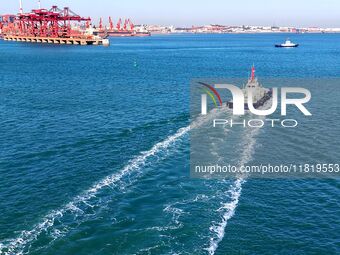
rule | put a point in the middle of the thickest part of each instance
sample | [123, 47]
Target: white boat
[287, 44]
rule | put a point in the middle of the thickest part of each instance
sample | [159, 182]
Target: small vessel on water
[260, 95]
[287, 44]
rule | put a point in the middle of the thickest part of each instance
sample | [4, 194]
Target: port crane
[126, 26]
[54, 25]
[41, 22]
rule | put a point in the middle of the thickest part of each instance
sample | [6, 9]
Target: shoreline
[240, 33]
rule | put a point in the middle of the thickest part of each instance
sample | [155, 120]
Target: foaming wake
[234, 192]
[19, 244]
[22, 242]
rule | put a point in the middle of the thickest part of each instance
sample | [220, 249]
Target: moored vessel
[126, 29]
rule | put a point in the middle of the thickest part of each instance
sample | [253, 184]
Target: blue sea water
[94, 152]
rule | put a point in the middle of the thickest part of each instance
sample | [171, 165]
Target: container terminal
[63, 26]
[55, 26]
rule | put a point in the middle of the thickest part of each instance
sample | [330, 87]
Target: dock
[57, 40]
[54, 26]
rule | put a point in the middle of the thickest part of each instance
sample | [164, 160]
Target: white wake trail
[228, 209]
[22, 242]
[19, 244]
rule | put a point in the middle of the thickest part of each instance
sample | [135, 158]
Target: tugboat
[260, 94]
[287, 44]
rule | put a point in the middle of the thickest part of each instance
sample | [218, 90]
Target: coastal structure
[62, 26]
[57, 26]
[121, 29]
[245, 29]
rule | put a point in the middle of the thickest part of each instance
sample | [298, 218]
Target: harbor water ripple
[95, 150]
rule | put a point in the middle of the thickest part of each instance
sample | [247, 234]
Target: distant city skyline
[301, 13]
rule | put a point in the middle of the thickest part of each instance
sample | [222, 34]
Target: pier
[54, 25]
[57, 40]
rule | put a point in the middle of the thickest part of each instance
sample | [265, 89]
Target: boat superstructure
[125, 29]
[287, 44]
[253, 88]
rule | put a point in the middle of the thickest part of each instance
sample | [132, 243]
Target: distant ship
[260, 94]
[121, 30]
[287, 44]
[114, 33]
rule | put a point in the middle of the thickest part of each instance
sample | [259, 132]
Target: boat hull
[123, 34]
[256, 105]
[286, 46]
[118, 34]
[142, 34]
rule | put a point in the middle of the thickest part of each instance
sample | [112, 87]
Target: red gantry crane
[55, 25]
[48, 23]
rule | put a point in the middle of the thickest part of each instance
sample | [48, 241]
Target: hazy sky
[322, 13]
